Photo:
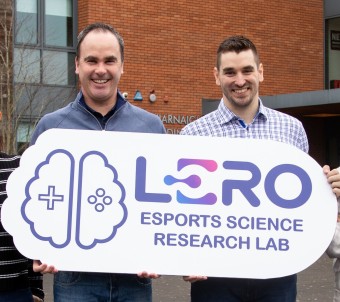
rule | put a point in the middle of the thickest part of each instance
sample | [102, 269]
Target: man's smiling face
[239, 78]
[99, 67]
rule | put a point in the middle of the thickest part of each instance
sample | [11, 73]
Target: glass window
[58, 23]
[27, 65]
[44, 43]
[59, 68]
[24, 133]
[26, 22]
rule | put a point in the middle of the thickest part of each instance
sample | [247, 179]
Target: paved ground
[314, 284]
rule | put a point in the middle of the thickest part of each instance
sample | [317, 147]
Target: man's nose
[240, 79]
[100, 68]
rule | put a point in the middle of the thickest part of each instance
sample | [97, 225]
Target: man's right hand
[43, 268]
[193, 279]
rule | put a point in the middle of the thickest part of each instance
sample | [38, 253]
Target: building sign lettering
[176, 120]
[335, 39]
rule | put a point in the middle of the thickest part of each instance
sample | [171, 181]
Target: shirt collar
[119, 103]
[226, 115]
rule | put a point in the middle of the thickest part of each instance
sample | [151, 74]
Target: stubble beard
[240, 103]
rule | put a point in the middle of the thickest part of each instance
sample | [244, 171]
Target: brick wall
[171, 46]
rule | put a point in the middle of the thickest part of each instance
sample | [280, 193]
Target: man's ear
[216, 75]
[261, 78]
[76, 64]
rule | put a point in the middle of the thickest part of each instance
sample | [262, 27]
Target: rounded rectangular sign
[176, 205]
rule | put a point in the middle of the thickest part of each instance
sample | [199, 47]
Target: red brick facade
[171, 46]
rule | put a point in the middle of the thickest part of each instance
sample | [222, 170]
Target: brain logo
[53, 194]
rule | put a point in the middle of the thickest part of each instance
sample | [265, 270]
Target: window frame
[42, 46]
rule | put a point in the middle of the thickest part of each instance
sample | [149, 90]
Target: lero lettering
[228, 185]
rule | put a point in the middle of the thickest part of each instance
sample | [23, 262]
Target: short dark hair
[100, 27]
[236, 44]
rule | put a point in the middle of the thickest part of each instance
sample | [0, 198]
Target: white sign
[174, 205]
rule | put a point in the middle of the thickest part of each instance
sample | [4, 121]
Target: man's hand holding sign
[210, 202]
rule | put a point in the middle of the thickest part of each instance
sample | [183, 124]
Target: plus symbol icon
[51, 197]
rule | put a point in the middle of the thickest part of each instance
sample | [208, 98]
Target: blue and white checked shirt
[267, 124]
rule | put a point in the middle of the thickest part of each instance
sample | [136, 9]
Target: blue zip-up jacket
[127, 118]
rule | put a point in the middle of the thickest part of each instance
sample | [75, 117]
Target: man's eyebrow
[231, 69]
[228, 69]
[249, 67]
[91, 58]
[111, 58]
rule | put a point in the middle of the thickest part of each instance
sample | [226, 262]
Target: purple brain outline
[29, 199]
[81, 200]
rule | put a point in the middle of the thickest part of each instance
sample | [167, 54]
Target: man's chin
[241, 100]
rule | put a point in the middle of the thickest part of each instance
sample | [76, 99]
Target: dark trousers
[20, 295]
[245, 290]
